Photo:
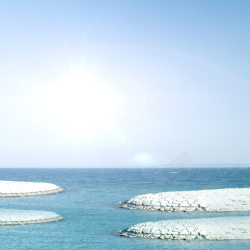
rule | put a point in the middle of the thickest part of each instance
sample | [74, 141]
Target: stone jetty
[221, 228]
[18, 188]
[10, 217]
[217, 200]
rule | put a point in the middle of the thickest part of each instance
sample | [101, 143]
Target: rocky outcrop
[16, 188]
[218, 200]
[10, 217]
[222, 228]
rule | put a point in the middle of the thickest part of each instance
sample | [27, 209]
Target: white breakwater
[17, 217]
[222, 228]
[10, 217]
[217, 200]
[17, 188]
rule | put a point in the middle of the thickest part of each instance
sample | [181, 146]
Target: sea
[92, 217]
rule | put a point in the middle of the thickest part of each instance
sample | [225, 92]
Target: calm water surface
[92, 219]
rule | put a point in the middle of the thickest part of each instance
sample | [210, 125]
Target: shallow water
[92, 219]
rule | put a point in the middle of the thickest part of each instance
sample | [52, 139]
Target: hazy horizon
[159, 166]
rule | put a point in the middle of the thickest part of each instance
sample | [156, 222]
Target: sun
[79, 101]
[74, 104]
[78, 104]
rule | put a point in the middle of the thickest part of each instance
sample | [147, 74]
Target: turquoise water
[92, 219]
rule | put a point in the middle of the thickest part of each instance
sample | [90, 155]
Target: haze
[169, 77]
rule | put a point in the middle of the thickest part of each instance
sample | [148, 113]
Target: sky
[124, 83]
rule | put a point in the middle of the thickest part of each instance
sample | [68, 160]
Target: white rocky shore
[222, 228]
[9, 217]
[18, 188]
[217, 200]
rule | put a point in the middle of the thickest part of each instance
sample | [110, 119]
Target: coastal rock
[217, 200]
[18, 188]
[10, 217]
[221, 228]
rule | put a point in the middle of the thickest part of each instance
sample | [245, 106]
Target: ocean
[89, 205]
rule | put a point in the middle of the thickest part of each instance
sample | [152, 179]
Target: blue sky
[181, 69]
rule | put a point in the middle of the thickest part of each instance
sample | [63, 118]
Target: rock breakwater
[221, 228]
[217, 200]
[10, 217]
[17, 188]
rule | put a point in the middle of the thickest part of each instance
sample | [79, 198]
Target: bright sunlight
[79, 102]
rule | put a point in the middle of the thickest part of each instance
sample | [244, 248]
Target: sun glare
[79, 102]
